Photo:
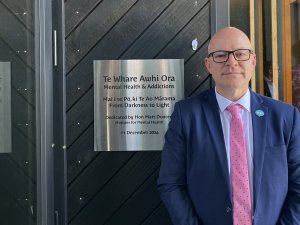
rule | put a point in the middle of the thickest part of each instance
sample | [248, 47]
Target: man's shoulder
[273, 104]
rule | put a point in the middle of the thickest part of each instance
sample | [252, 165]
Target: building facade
[50, 172]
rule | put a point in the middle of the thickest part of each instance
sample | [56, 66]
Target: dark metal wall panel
[80, 116]
[12, 178]
[81, 154]
[158, 216]
[93, 28]
[195, 71]
[82, 190]
[23, 153]
[114, 188]
[16, 35]
[18, 168]
[179, 46]
[164, 29]
[146, 192]
[23, 76]
[77, 11]
[120, 189]
[23, 115]
[23, 10]
[12, 212]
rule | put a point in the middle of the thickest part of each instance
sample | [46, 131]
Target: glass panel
[268, 83]
[17, 113]
[295, 42]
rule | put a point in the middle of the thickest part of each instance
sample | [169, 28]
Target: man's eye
[220, 55]
[239, 54]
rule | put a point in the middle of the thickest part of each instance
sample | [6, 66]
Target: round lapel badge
[259, 113]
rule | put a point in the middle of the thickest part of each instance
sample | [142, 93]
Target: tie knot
[234, 109]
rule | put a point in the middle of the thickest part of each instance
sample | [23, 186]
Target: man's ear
[254, 60]
[207, 64]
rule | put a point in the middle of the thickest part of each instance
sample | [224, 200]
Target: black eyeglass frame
[231, 52]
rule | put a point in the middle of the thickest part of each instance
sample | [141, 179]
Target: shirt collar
[224, 102]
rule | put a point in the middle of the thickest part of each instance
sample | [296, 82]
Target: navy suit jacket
[194, 181]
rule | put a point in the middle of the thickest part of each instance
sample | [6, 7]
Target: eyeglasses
[223, 56]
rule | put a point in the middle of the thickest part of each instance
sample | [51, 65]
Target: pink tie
[239, 170]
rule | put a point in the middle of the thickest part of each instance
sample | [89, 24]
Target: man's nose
[231, 59]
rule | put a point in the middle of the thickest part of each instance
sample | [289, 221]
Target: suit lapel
[259, 126]
[211, 112]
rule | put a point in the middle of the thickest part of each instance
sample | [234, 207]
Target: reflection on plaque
[133, 102]
[5, 108]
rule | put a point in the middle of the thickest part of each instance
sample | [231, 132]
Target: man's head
[231, 62]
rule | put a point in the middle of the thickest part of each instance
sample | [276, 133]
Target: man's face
[232, 74]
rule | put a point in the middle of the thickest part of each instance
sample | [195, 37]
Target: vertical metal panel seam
[44, 111]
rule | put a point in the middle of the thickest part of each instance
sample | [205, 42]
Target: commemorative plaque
[5, 108]
[133, 102]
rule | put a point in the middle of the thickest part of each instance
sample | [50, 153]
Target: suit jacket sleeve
[172, 182]
[290, 214]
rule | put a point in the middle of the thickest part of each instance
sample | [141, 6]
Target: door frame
[50, 113]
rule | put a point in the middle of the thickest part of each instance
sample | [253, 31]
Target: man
[198, 177]
[268, 80]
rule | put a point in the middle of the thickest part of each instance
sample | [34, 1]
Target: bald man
[221, 167]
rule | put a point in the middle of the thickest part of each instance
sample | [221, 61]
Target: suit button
[228, 209]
